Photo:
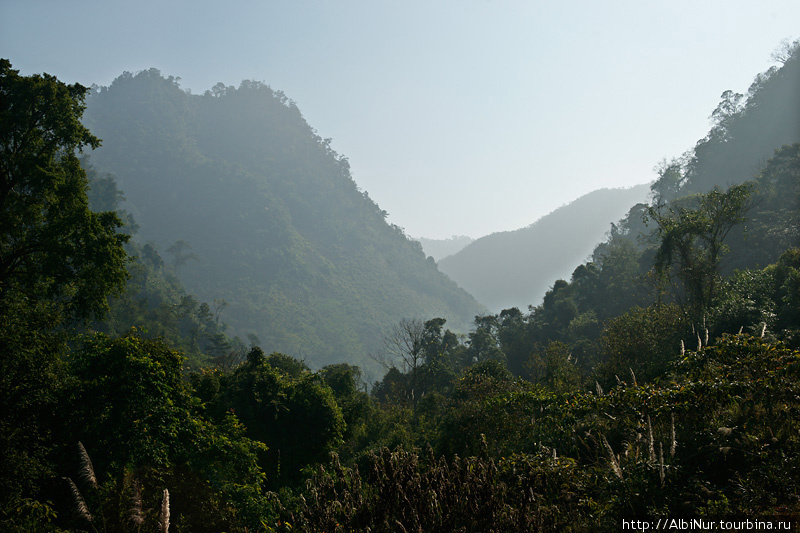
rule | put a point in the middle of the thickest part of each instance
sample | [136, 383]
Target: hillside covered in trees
[661, 381]
[254, 211]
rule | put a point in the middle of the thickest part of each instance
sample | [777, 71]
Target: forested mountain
[256, 212]
[746, 131]
[515, 268]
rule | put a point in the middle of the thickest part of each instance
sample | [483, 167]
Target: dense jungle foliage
[661, 380]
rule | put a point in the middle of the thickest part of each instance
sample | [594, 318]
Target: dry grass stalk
[674, 442]
[81, 509]
[633, 377]
[136, 512]
[163, 524]
[613, 458]
[651, 444]
[87, 469]
[599, 388]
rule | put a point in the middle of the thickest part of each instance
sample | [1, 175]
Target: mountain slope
[441, 248]
[515, 268]
[747, 129]
[265, 216]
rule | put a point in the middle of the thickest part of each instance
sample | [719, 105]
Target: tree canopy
[59, 261]
[52, 247]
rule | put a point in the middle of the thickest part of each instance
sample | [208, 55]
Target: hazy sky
[457, 116]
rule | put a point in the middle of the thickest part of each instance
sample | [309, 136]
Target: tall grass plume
[163, 524]
[87, 469]
[81, 509]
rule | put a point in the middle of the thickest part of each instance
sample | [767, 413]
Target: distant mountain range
[515, 268]
[258, 214]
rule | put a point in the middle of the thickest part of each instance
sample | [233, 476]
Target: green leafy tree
[52, 247]
[295, 415]
[555, 368]
[775, 224]
[667, 187]
[787, 295]
[642, 341]
[691, 239]
[58, 262]
[346, 383]
[131, 407]
[484, 342]
[616, 279]
[287, 365]
[746, 303]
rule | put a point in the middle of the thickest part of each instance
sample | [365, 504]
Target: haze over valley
[457, 119]
[516, 268]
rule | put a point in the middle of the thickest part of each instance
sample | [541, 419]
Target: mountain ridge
[501, 271]
[441, 248]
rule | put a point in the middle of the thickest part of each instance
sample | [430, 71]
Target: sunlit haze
[458, 117]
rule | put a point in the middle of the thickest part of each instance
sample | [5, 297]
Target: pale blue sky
[458, 116]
